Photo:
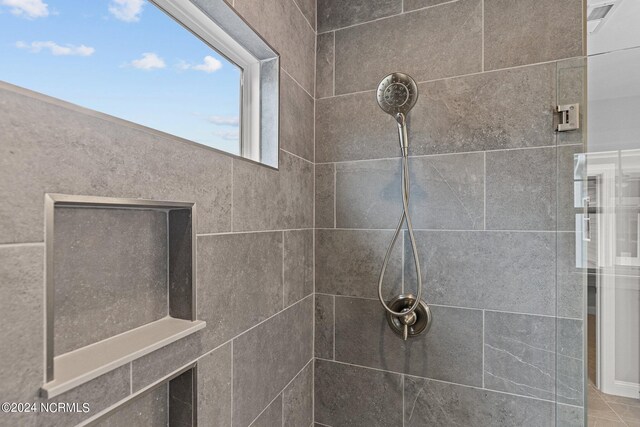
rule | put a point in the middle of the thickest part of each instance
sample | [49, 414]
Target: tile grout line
[435, 380]
[334, 327]
[402, 261]
[281, 391]
[459, 307]
[484, 156]
[449, 230]
[231, 382]
[131, 397]
[295, 155]
[459, 76]
[334, 63]
[612, 410]
[403, 403]
[19, 245]
[453, 153]
[230, 340]
[296, 81]
[283, 303]
[168, 260]
[232, 168]
[313, 390]
[304, 17]
[483, 337]
[335, 196]
[395, 15]
[482, 50]
[226, 233]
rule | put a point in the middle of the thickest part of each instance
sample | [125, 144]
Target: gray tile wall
[254, 242]
[485, 195]
[492, 187]
[105, 262]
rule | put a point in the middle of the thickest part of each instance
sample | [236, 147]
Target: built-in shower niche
[119, 282]
[172, 402]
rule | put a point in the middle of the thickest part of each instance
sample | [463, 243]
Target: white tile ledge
[84, 364]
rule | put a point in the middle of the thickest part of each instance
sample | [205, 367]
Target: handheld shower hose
[408, 315]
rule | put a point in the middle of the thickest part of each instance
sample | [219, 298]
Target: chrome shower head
[397, 94]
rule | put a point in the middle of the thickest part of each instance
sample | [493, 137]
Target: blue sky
[126, 58]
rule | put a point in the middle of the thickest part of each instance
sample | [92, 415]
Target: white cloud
[225, 120]
[228, 135]
[56, 49]
[209, 65]
[27, 8]
[149, 61]
[126, 10]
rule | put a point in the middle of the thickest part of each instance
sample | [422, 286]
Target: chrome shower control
[413, 324]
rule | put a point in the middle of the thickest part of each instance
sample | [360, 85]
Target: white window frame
[196, 21]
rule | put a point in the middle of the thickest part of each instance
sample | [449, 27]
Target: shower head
[397, 94]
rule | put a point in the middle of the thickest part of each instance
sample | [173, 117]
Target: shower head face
[397, 94]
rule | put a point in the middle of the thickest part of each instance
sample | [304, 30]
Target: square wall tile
[308, 9]
[297, 399]
[530, 31]
[450, 351]
[271, 416]
[447, 192]
[351, 396]
[519, 354]
[435, 403]
[325, 195]
[324, 64]
[150, 409]
[324, 325]
[21, 331]
[522, 277]
[296, 118]
[284, 26]
[238, 273]
[348, 262]
[504, 109]
[369, 134]
[265, 361]
[298, 265]
[214, 388]
[267, 199]
[521, 189]
[333, 14]
[431, 43]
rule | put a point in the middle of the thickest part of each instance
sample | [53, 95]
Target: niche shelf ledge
[84, 364]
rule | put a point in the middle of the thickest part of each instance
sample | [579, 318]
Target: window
[134, 60]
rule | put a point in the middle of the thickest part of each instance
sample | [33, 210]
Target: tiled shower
[491, 195]
[287, 260]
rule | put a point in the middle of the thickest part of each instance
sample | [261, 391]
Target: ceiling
[619, 30]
